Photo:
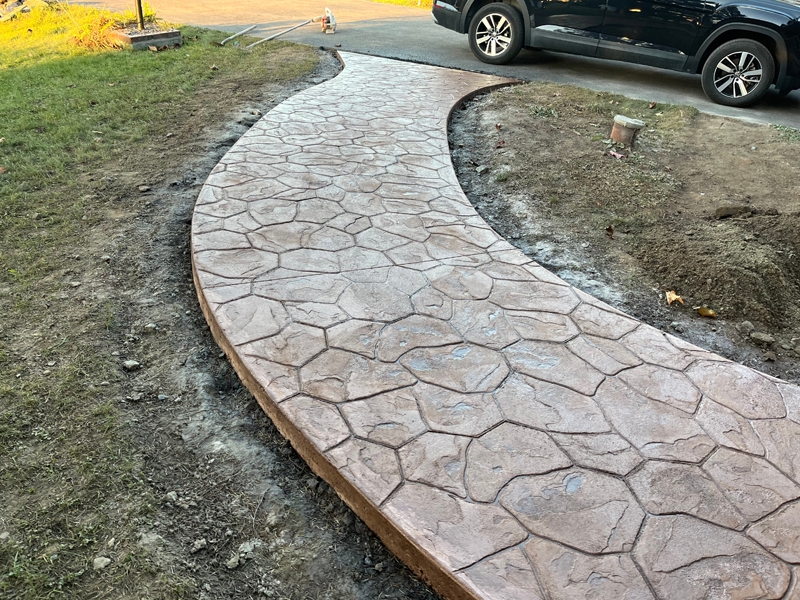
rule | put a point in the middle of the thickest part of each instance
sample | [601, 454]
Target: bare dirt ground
[235, 512]
[703, 206]
[227, 481]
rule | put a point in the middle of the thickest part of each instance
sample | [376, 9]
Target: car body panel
[671, 34]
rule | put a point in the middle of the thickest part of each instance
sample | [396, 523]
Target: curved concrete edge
[426, 567]
[609, 364]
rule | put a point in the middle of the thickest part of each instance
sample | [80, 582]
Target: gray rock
[764, 339]
[5, 536]
[101, 562]
[131, 365]
[745, 327]
[198, 545]
[171, 497]
[233, 562]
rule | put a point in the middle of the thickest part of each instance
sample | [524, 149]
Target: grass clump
[70, 475]
[789, 134]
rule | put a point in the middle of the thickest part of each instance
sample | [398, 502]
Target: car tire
[496, 33]
[738, 73]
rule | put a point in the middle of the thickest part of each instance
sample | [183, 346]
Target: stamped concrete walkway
[508, 436]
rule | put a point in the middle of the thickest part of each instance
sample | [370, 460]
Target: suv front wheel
[495, 33]
[738, 73]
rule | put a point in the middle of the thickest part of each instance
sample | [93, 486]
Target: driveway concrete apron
[508, 436]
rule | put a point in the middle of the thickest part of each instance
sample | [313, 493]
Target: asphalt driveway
[410, 34]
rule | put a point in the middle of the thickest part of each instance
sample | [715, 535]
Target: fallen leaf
[3, 170]
[652, 105]
[673, 297]
[616, 155]
[610, 231]
[707, 312]
[500, 144]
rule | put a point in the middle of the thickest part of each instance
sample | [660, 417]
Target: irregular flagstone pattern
[507, 436]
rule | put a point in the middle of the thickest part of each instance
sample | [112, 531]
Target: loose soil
[230, 510]
[703, 206]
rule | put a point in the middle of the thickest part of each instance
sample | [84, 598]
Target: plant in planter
[145, 32]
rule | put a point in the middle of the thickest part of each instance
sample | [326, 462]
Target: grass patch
[789, 134]
[70, 477]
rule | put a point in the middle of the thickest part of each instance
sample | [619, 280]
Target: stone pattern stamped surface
[508, 436]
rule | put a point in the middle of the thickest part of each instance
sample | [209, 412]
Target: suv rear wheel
[738, 73]
[496, 33]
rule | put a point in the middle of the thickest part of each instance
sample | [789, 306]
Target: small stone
[726, 212]
[5, 536]
[101, 562]
[745, 327]
[199, 545]
[105, 258]
[233, 562]
[171, 497]
[481, 169]
[150, 328]
[144, 188]
[163, 397]
[131, 365]
[763, 339]
[111, 542]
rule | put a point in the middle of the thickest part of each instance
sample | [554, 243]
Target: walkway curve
[506, 435]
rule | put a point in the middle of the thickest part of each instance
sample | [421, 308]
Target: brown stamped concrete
[508, 436]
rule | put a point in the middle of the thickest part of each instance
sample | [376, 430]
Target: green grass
[789, 134]
[69, 476]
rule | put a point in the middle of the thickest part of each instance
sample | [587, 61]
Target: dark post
[140, 15]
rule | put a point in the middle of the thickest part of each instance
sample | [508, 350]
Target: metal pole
[235, 35]
[280, 33]
[140, 15]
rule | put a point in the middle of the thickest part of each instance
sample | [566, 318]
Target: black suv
[740, 47]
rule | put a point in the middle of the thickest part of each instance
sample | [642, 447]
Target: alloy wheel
[737, 74]
[493, 35]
